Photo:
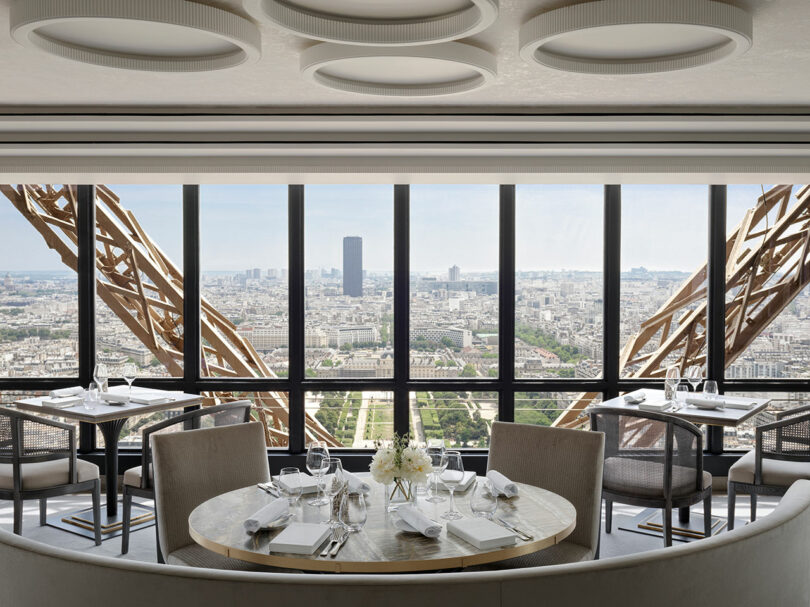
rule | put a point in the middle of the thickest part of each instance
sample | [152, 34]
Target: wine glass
[316, 464]
[483, 500]
[694, 375]
[436, 454]
[100, 376]
[289, 481]
[353, 511]
[673, 378]
[129, 372]
[451, 477]
[334, 481]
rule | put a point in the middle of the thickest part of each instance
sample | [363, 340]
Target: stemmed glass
[129, 373]
[316, 464]
[673, 378]
[334, 481]
[694, 375]
[451, 477]
[100, 376]
[435, 452]
[353, 511]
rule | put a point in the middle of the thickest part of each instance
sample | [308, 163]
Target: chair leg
[753, 507]
[18, 513]
[608, 515]
[43, 511]
[97, 511]
[668, 525]
[732, 503]
[707, 516]
[127, 514]
[157, 543]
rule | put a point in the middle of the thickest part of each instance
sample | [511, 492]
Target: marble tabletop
[380, 547]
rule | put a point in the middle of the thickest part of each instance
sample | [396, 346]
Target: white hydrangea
[383, 469]
[413, 466]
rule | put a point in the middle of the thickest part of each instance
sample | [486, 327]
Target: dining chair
[38, 460]
[566, 462]
[139, 481]
[781, 456]
[194, 466]
[652, 460]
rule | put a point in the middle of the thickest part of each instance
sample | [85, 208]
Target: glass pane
[768, 314]
[542, 408]
[349, 418]
[454, 281]
[558, 281]
[743, 437]
[39, 318]
[243, 260]
[462, 419]
[139, 304]
[663, 278]
[8, 397]
[349, 281]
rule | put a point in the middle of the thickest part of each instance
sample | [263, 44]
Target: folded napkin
[705, 401]
[659, 406]
[275, 509]
[416, 519]
[501, 484]
[113, 397]
[62, 392]
[356, 484]
[633, 398]
[481, 533]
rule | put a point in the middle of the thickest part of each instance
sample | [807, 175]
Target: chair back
[566, 462]
[649, 453]
[227, 414]
[192, 467]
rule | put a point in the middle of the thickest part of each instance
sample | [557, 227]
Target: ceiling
[770, 77]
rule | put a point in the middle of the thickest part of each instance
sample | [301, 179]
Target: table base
[80, 522]
[650, 522]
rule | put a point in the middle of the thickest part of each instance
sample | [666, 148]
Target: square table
[110, 419]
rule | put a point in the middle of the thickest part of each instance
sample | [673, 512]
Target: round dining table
[380, 547]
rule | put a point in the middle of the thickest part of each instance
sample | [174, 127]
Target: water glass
[353, 511]
[290, 484]
[710, 389]
[451, 477]
[91, 396]
[316, 464]
[483, 500]
[681, 392]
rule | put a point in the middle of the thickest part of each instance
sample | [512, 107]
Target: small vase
[398, 493]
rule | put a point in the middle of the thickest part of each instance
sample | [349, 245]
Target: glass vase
[397, 493]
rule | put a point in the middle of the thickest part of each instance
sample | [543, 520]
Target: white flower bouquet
[402, 465]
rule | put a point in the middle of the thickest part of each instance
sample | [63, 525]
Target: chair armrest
[791, 412]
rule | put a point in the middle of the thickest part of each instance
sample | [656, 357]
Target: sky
[557, 227]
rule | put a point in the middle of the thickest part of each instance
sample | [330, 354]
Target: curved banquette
[764, 563]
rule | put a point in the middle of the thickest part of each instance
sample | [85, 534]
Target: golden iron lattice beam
[144, 289]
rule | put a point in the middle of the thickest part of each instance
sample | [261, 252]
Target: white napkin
[112, 397]
[634, 398]
[501, 484]
[356, 484]
[411, 515]
[62, 392]
[275, 509]
[720, 401]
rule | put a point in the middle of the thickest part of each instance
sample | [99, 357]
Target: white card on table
[481, 533]
[300, 538]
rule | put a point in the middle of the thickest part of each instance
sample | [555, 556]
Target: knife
[339, 545]
[332, 541]
[268, 488]
[521, 534]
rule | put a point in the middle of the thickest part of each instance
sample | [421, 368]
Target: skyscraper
[454, 274]
[353, 266]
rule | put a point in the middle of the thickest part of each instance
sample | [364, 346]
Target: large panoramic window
[350, 418]
[664, 252]
[349, 281]
[558, 281]
[39, 320]
[454, 282]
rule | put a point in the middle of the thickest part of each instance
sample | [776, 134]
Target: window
[558, 281]
[462, 419]
[542, 408]
[350, 418]
[743, 437]
[39, 318]
[454, 282]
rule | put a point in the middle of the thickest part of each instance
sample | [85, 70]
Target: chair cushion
[132, 477]
[774, 472]
[645, 479]
[195, 555]
[42, 475]
[558, 554]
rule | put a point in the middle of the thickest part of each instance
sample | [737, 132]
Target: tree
[446, 341]
[347, 347]
[468, 371]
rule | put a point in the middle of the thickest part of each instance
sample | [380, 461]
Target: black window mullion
[402, 264]
[297, 362]
[191, 288]
[86, 244]
[716, 304]
[506, 305]
[612, 277]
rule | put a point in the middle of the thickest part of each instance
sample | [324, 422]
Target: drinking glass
[101, 376]
[483, 500]
[353, 511]
[439, 463]
[290, 484]
[316, 464]
[91, 397]
[710, 389]
[673, 378]
[681, 392]
[334, 481]
[129, 372]
[694, 375]
[451, 477]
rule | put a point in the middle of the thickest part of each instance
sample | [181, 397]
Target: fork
[332, 541]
